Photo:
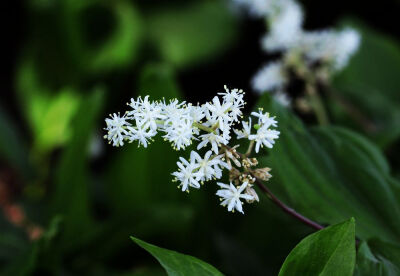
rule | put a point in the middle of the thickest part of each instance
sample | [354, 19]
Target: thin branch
[287, 209]
[278, 202]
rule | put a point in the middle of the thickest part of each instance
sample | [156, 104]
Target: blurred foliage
[371, 84]
[83, 59]
[188, 35]
[49, 114]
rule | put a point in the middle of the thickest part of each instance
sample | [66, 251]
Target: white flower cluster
[329, 48]
[210, 124]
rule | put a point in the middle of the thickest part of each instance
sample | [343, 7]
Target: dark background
[234, 67]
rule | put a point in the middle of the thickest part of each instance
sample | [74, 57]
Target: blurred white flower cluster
[211, 125]
[329, 50]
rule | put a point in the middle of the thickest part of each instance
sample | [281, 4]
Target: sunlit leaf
[48, 113]
[330, 251]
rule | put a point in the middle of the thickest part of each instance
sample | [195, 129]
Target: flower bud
[262, 173]
[252, 192]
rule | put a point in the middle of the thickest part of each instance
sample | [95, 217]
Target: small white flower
[214, 139]
[245, 132]
[141, 133]
[187, 174]
[206, 165]
[174, 112]
[116, 129]
[146, 112]
[264, 119]
[234, 96]
[270, 77]
[180, 135]
[264, 137]
[196, 112]
[178, 124]
[219, 113]
[230, 196]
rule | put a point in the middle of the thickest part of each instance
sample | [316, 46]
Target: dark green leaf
[330, 251]
[378, 258]
[176, 263]
[330, 174]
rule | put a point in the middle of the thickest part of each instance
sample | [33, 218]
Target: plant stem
[200, 126]
[250, 148]
[286, 208]
[317, 104]
[279, 203]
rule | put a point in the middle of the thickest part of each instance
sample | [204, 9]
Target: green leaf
[71, 188]
[176, 263]
[377, 258]
[330, 174]
[374, 94]
[193, 33]
[330, 251]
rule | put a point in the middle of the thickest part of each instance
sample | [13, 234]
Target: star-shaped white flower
[230, 196]
[116, 127]
[219, 113]
[141, 133]
[246, 131]
[214, 139]
[147, 112]
[265, 119]
[187, 174]
[179, 134]
[264, 137]
[208, 166]
[234, 96]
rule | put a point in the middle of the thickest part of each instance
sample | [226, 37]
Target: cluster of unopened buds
[211, 125]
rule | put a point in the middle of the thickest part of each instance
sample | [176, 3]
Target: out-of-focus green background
[69, 201]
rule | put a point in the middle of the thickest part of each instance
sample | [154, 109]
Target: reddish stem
[287, 209]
